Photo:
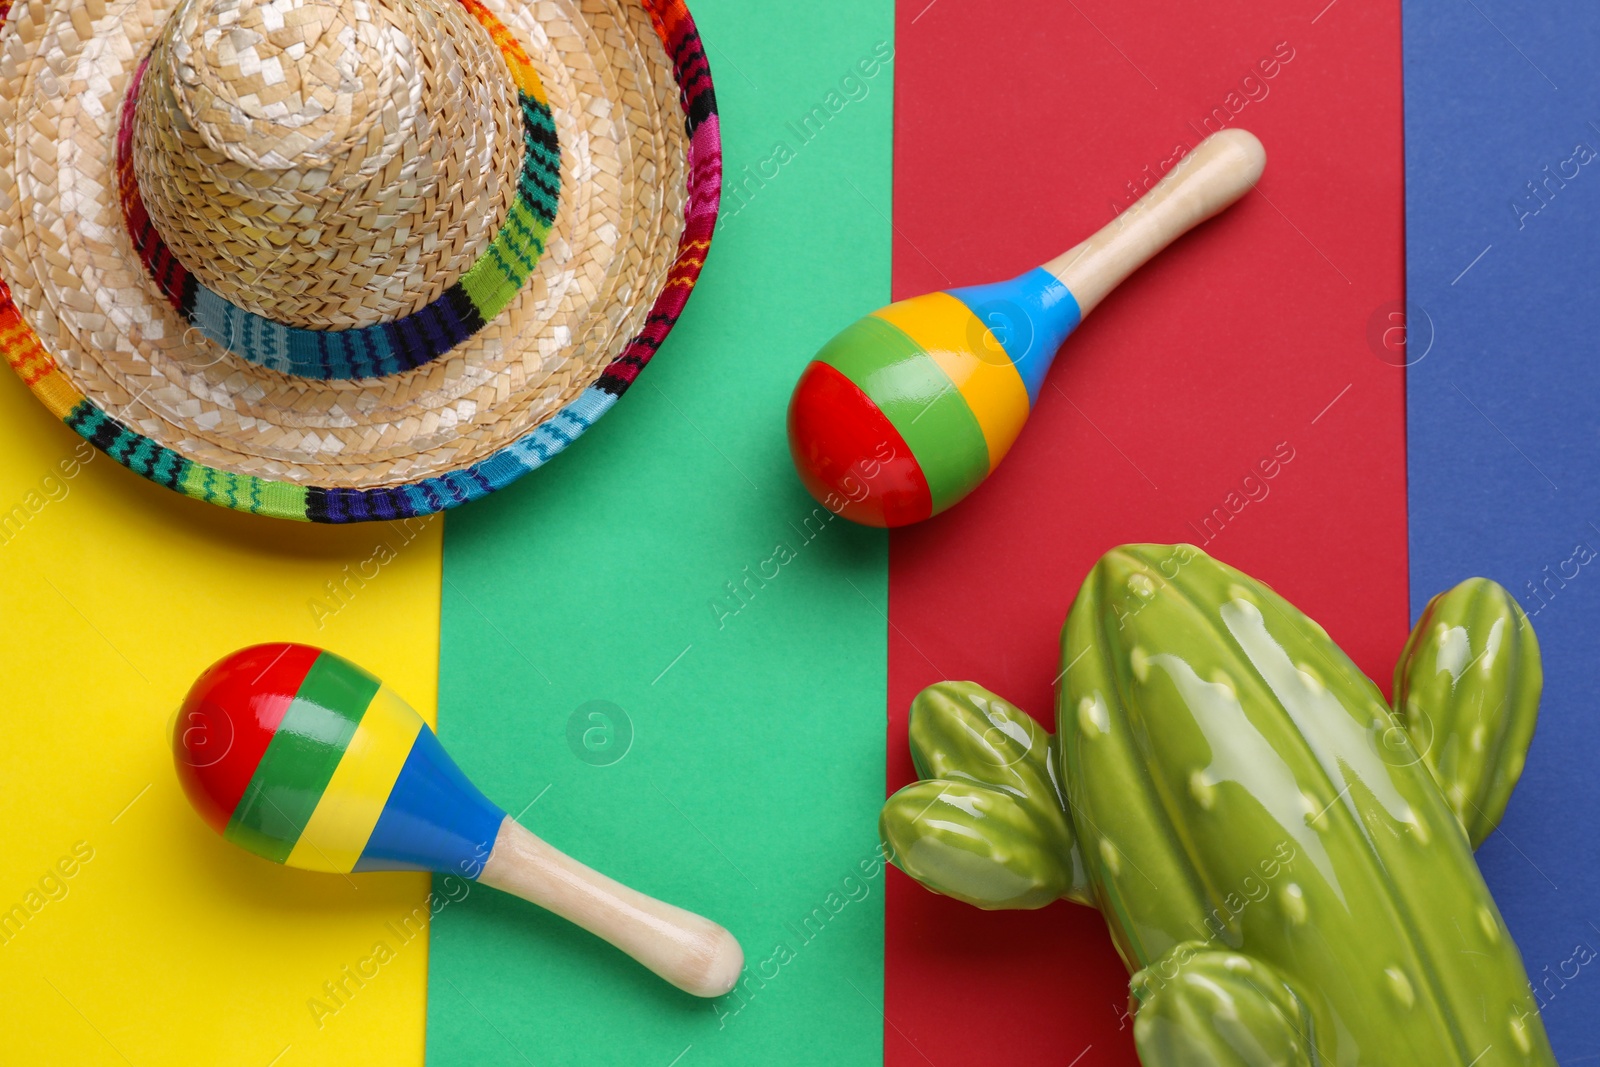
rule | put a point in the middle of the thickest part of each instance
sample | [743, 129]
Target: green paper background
[750, 787]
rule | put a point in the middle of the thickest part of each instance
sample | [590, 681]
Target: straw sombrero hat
[346, 259]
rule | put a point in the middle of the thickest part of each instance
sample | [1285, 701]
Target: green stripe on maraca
[920, 401]
[301, 758]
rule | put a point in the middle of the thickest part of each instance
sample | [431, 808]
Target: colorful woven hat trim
[463, 309]
[40, 372]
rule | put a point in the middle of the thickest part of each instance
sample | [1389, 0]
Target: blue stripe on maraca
[1030, 315]
[435, 819]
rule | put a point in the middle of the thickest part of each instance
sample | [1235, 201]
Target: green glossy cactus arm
[1199, 1006]
[987, 824]
[973, 843]
[1467, 691]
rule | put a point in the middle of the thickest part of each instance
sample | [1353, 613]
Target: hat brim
[87, 330]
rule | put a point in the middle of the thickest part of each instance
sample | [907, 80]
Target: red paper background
[1017, 125]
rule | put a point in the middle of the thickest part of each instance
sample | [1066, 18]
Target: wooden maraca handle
[1222, 169]
[691, 952]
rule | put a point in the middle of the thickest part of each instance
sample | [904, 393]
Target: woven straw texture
[90, 330]
[344, 196]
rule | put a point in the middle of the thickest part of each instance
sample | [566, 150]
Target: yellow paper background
[171, 946]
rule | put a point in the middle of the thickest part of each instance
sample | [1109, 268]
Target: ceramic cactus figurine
[1284, 862]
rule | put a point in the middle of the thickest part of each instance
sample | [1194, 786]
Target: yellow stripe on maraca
[973, 359]
[338, 830]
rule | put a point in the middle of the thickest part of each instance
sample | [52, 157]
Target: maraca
[304, 758]
[907, 410]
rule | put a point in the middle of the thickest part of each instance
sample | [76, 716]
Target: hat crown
[326, 164]
[276, 84]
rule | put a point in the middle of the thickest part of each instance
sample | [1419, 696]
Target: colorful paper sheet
[129, 930]
[1503, 203]
[1245, 349]
[662, 656]
[664, 659]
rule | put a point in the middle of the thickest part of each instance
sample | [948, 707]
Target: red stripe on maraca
[848, 454]
[229, 718]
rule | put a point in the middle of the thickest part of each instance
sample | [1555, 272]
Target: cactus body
[1467, 689]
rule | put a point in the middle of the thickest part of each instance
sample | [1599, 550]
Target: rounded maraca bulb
[304, 758]
[909, 409]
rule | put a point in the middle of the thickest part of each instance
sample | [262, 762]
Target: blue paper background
[1504, 421]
